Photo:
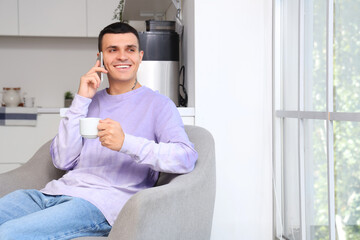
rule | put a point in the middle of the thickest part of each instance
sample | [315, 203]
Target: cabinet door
[188, 120]
[52, 18]
[100, 14]
[8, 17]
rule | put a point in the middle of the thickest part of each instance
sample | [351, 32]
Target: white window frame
[301, 115]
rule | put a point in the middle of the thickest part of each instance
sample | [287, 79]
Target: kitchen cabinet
[71, 18]
[55, 18]
[99, 15]
[52, 18]
[9, 17]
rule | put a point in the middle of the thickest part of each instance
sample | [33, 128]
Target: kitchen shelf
[140, 10]
[48, 110]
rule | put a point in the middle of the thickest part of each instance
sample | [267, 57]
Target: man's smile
[122, 66]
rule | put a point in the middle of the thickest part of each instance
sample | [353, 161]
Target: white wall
[233, 87]
[45, 67]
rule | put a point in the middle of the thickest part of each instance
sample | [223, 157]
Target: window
[317, 119]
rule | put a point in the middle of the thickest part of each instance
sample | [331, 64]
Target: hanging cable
[183, 97]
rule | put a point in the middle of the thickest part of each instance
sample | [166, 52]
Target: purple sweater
[155, 141]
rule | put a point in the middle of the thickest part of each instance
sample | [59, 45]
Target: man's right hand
[90, 82]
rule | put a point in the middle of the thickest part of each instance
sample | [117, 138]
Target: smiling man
[141, 134]
[122, 59]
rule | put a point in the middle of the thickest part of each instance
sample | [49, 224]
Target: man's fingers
[102, 139]
[110, 134]
[106, 120]
[101, 133]
[96, 68]
[101, 127]
[104, 124]
[94, 80]
[97, 64]
[99, 69]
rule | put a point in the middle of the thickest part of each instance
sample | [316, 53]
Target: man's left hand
[111, 134]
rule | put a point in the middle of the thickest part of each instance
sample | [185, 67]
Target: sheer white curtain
[317, 119]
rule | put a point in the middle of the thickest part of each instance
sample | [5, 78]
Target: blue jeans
[30, 214]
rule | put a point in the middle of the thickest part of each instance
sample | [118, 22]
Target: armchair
[178, 207]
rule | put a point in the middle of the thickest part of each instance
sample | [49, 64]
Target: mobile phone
[101, 59]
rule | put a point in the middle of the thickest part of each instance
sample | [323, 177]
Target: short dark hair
[117, 27]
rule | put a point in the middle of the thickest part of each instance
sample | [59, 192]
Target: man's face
[122, 56]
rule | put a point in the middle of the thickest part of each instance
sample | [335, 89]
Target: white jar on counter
[11, 97]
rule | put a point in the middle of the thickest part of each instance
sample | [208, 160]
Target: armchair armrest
[167, 212]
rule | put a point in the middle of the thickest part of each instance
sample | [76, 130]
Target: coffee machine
[159, 69]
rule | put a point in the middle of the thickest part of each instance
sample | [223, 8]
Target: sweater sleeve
[66, 146]
[172, 152]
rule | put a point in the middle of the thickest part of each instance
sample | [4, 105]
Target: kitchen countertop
[184, 111]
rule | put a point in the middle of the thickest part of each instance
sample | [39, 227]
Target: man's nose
[121, 55]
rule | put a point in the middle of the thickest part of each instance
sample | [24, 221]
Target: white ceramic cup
[88, 127]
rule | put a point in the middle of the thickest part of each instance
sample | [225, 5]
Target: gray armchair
[179, 207]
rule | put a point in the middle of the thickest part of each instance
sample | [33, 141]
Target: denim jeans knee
[8, 233]
[55, 217]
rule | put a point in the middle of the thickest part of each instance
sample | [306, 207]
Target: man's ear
[141, 53]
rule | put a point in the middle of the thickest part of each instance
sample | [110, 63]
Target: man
[141, 134]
